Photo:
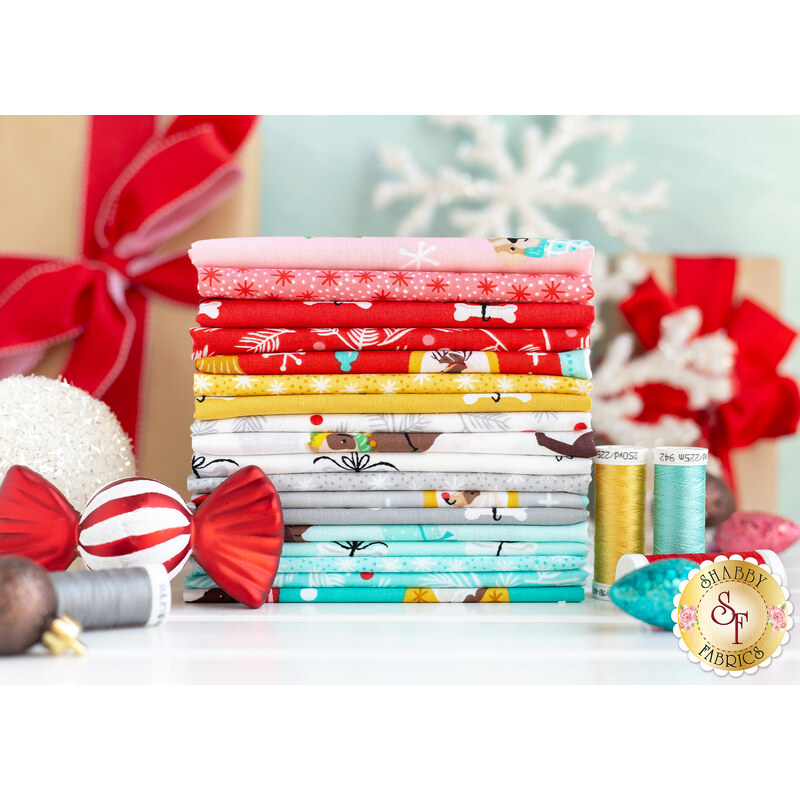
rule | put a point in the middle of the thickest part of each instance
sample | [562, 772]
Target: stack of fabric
[421, 406]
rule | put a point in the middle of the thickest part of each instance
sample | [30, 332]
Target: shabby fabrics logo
[732, 615]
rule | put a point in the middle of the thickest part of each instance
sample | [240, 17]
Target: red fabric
[141, 187]
[409, 314]
[235, 341]
[379, 362]
[766, 404]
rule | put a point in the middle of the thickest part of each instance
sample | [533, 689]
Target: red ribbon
[765, 404]
[141, 187]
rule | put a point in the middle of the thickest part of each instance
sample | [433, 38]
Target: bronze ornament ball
[27, 604]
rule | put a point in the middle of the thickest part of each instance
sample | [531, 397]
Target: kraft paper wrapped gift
[756, 467]
[42, 163]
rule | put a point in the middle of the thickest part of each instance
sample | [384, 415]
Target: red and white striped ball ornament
[135, 522]
[236, 536]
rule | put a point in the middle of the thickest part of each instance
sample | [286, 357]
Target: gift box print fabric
[222, 407]
[519, 255]
[204, 465]
[577, 532]
[577, 444]
[380, 286]
[341, 482]
[364, 314]
[429, 435]
[572, 364]
[231, 341]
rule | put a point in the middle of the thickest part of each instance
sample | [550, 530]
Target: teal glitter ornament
[649, 593]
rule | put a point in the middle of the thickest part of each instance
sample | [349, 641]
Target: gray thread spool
[114, 598]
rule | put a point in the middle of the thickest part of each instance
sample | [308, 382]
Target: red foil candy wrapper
[236, 536]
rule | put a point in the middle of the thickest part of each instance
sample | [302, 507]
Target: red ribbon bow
[141, 188]
[236, 536]
[765, 404]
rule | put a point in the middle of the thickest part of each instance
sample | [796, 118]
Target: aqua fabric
[578, 532]
[536, 594]
[429, 564]
[351, 548]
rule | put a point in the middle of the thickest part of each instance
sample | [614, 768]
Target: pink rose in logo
[777, 616]
[687, 617]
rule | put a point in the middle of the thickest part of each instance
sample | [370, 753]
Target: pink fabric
[526, 256]
[375, 286]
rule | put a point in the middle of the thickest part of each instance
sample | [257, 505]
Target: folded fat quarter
[579, 532]
[393, 383]
[232, 341]
[574, 443]
[226, 313]
[205, 465]
[541, 421]
[388, 285]
[572, 363]
[430, 499]
[394, 253]
[451, 482]
[429, 564]
[351, 549]
[221, 407]
[513, 594]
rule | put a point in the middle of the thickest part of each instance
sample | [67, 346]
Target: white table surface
[583, 643]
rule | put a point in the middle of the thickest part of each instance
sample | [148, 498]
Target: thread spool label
[732, 616]
[680, 456]
[620, 455]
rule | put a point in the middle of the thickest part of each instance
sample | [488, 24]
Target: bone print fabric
[381, 286]
[527, 256]
[288, 314]
[421, 406]
[573, 363]
[232, 341]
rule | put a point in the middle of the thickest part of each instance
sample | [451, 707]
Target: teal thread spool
[679, 499]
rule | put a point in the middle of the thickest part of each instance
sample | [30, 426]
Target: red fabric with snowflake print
[377, 286]
[262, 313]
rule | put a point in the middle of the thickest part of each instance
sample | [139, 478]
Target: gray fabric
[433, 516]
[413, 481]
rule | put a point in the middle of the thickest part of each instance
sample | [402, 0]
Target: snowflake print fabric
[527, 256]
[288, 314]
[389, 384]
[572, 363]
[233, 341]
[380, 286]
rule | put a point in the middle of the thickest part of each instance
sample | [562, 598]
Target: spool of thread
[620, 476]
[679, 500]
[114, 598]
[629, 563]
[54, 608]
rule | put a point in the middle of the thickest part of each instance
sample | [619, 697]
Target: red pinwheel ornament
[765, 404]
[236, 536]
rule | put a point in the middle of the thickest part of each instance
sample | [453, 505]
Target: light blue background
[733, 190]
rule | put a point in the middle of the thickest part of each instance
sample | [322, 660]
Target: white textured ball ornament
[64, 434]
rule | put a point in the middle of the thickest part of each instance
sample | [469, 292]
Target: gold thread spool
[620, 476]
